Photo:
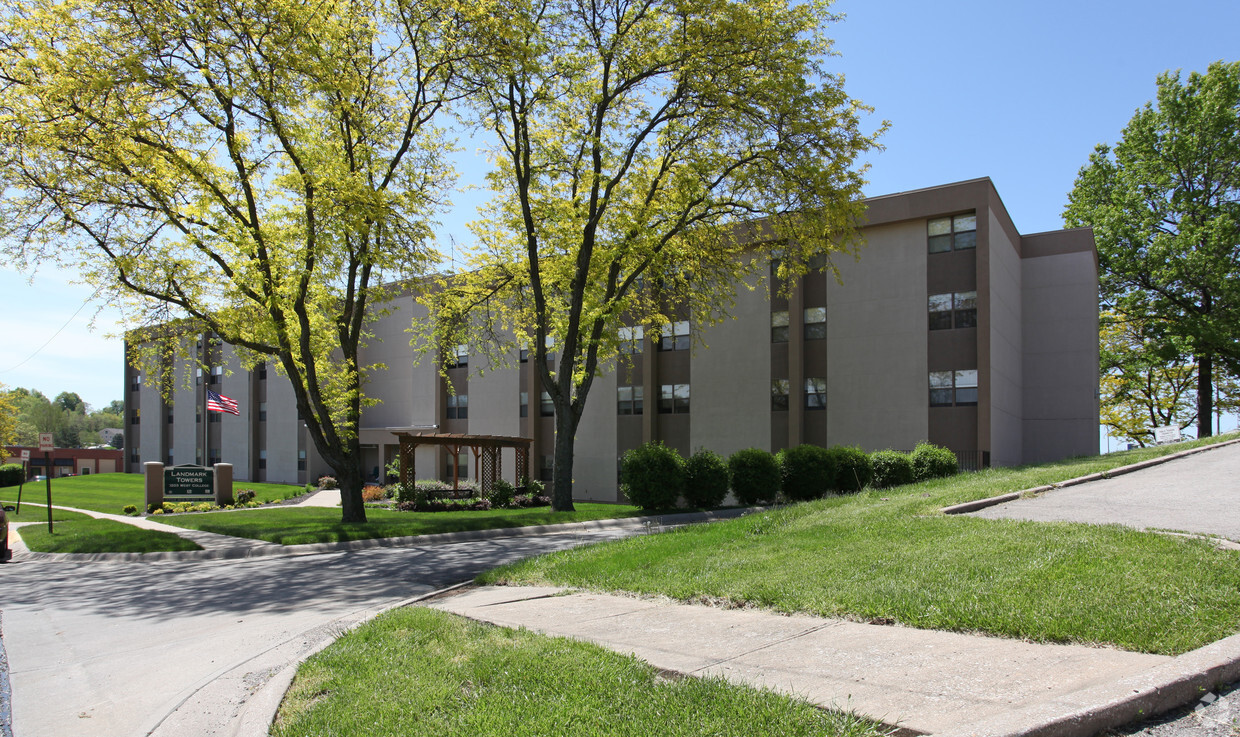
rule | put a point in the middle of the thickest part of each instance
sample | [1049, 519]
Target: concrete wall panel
[1005, 359]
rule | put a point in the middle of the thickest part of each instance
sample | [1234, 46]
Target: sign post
[46, 446]
[25, 470]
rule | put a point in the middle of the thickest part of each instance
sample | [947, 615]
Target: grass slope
[110, 492]
[83, 534]
[414, 671]
[891, 555]
[301, 525]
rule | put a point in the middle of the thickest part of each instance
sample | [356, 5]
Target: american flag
[221, 403]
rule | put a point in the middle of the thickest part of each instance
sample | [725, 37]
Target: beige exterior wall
[1061, 356]
[283, 430]
[151, 427]
[237, 444]
[594, 457]
[730, 376]
[876, 338]
[186, 434]
[494, 399]
[1003, 384]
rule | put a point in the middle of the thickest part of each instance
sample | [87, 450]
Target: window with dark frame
[631, 339]
[675, 336]
[956, 233]
[779, 326]
[135, 416]
[262, 370]
[262, 411]
[525, 404]
[169, 416]
[953, 388]
[458, 406]
[953, 309]
[629, 400]
[460, 357]
[779, 394]
[815, 394]
[546, 407]
[301, 460]
[262, 459]
[674, 399]
[815, 323]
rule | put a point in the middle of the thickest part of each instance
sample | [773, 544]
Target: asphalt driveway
[1196, 494]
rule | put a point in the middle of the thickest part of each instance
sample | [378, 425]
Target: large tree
[1165, 208]
[255, 170]
[1143, 385]
[648, 154]
[8, 417]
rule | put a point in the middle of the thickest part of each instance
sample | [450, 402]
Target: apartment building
[951, 327]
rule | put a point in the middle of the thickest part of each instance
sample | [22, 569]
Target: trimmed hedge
[652, 475]
[12, 474]
[891, 468]
[806, 472]
[853, 470]
[706, 479]
[932, 462]
[754, 476]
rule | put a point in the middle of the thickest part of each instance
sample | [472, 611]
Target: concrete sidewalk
[923, 681]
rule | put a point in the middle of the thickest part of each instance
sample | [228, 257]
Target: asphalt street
[1196, 494]
[115, 649]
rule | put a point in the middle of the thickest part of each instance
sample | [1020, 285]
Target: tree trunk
[353, 509]
[562, 482]
[1205, 396]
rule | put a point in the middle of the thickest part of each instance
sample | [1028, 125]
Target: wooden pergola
[486, 449]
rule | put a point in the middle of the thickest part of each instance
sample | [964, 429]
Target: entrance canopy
[488, 461]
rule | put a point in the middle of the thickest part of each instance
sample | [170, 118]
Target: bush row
[654, 476]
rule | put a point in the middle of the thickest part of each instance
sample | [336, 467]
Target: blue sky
[1018, 91]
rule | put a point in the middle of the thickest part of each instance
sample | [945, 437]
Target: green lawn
[81, 534]
[111, 492]
[414, 671]
[891, 555]
[301, 525]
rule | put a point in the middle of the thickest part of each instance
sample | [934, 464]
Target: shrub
[328, 482]
[372, 494]
[932, 462]
[245, 495]
[502, 493]
[806, 472]
[852, 468]
[652, 475]
[891, 468]
[131, 509]
[706, 479]
[754, 476]
[12, 474]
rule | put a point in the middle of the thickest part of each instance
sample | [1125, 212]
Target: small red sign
[25, 455]
[45, 442]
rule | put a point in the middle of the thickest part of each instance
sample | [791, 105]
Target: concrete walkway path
[920, 680]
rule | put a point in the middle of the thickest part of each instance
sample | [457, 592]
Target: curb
[977, 504]
[272, 550]
[258, 710]
[1162, 688]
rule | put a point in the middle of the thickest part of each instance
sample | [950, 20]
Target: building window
[301, 460]
[460, 357]
[214, 456]
[213, 417]
[815, 394]
[546, 468]
[462, 465]
[216, 373]
[135, 455]
[546, 407]
[170, 457]
[523, 353]
[198, 417]
[953, 388]
[262, 459]
[169, 417]
[525, 404]
[952, 234]
[675, 336]
[198, 377]
[458, 406]
[779, 394]
[135, 415]
[262, 411]
[779, 326]
[631, 339]
[953, 309]
[629, 400]
[674, 399]
[137, 382]
[262, 370]
[815, 323]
